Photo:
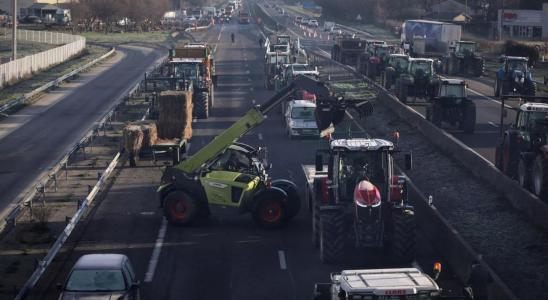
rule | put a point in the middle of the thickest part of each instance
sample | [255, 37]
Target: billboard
[309, 6]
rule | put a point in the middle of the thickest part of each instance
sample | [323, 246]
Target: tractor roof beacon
[226, 177]
[357, 196]
[514, 77]
[452, 105]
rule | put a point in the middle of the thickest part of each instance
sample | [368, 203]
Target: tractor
[347, 49]
[522, 150]
[375, 61]
[514, 77]
[230, 178]
[397, 65]
[452, 105]
[358, 199]
[290, 72]
[273, 67]
[420, 80]
[195, 61]
[464, 60]
[364, 60]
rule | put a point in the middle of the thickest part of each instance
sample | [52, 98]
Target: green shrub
[514, 48]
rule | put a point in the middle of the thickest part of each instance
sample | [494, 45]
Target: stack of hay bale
[175, 123]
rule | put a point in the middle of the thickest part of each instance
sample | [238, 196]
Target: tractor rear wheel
[293, 202]
[404, 238]
[269, 212]
[211, 95]
[510, 154]
[331, 236]
[428, 113]
[371, 71]
[316, 224]
[404, 90]
[397, 89]
[201, 105]
[540, 176]
[455, 66]
[387, 81]
[504, 88]
[497, 87]
[436, 112]
[181, 208]
[433, 91]
[524, 177]
[343, 58]
[499, 155]
[530, 87]
[479, 67]
[469, 118]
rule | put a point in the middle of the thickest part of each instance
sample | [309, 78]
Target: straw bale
[133, 139]
[175, 112]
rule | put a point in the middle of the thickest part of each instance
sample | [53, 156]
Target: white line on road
[249, 79]
[251, 89]
[507, 106]
[215, 50]
[493, 124]
[219, 36]
[156, 252]
[248, 72]
[253, 101]
[281, 255]
[246, 65]
[193, 120]
[260, 135]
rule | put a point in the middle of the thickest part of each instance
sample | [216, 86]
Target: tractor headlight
[292, 123]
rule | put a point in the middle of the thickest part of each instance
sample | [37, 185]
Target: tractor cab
[371, 45]
[283, 39]
[452, 90]
[465, 47]
[421, 67]
[398, 62]
[532, 118]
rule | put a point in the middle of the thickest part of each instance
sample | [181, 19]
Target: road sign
[309, 6]
[358, 17]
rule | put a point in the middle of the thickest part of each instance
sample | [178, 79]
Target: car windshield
[421, 65]
[302, 113]
[466, 48]
[517, 65]
[453, 90]
[95, 280]
[189, 70]
[400, 62]
[297, 68]
[357, 166]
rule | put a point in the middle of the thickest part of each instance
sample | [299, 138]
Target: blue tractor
[514, 77]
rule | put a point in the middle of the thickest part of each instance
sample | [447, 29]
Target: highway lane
[35, 138]
[222, 257]
[488, 108]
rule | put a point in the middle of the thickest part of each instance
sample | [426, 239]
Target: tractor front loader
[464, 60]
[226, 177]
[420, 80]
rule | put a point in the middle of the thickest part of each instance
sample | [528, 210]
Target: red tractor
[357, 198]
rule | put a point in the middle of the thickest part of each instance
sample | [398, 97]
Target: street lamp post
[14, 37]
[501, 21]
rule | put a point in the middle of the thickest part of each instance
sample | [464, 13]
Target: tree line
[87, 14]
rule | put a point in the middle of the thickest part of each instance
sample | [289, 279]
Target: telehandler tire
[404, 238]
[269, 212]
[201, 106]
[181, 208]
[331, 236]
[540, 177]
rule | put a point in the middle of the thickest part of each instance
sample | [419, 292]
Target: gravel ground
[511, 244]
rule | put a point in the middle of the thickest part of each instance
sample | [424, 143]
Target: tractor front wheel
[497, 87]
[201, 106]
[510, 154]
[269, 212]
[530, 87]
[504, 88]
[181, 208]
[404, 238]
[331, 236]
[469, 118]
[403, 93]
[371, 71]
[524, 177]
[428, 112]
[540, 176]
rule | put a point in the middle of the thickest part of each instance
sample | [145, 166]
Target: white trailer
[427, 38]
[328, 25]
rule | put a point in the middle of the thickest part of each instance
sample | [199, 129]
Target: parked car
[31, 20]
[286, 14]
[122, 22]
[305, 21]
[9, 23]
[101, 276]
[300, 119]
[266, 5]
[313, 23]
[335, 30]
[298, 20]
[281, 10]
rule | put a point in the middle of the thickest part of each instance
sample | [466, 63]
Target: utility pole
[439, 7]
[14, 41]
[465, 14]
[501, 22]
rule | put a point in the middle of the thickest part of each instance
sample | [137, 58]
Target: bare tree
[108, 11]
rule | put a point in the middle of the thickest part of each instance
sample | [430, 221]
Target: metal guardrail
[10, 220]
[54, 82]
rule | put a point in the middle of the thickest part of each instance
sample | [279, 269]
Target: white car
[300, 120]
[335, 30]
[305, 21]
[313, 23]
[298, 20]
[190, 19]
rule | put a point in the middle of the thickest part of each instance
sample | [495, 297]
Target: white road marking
[246, 65]
[193, 120]
[251, 89]
[219, 35]
[245, 58]
[156, 252]
[247, 72]
[245, 54]
[215, 50]
[260, 138]
[507, 106]
[493, 124]
[281, 255]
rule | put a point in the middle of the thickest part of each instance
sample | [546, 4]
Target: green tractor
[230, 178]
[362, 63]
[464, 60]
[420, 81]
[397, 65]
[375, 60]
[452, 105]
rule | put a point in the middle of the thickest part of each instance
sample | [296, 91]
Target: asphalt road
[223, 257]
[35, 138]
[488, 108]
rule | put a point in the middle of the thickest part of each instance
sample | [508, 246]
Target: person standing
[479, 279]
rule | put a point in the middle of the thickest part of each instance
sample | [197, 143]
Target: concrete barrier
[449, 243]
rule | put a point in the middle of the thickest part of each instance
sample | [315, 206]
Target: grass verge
[24, 48]
[163, 36]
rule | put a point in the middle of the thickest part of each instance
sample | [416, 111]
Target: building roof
[44, 6]
[100, 262]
